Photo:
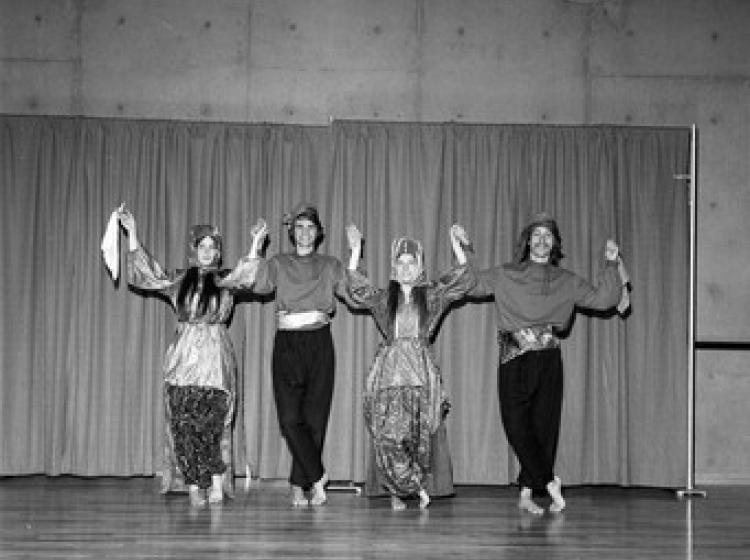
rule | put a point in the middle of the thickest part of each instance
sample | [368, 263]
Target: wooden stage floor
[124, 518]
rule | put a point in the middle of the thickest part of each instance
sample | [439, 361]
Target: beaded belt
[515, 343]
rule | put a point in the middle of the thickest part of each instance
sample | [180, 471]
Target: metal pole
[690, 490]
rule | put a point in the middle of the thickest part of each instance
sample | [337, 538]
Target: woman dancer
[404, 401]
[199, 366]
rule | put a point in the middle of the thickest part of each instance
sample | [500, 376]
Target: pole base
[691, 493]
[345, 487]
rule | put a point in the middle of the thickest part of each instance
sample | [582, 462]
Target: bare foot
[298, 497]
[319, 496]
[197, 498]
[424, 499]
[554, 489]
[527, 503]
[216, 493]
[397, 504]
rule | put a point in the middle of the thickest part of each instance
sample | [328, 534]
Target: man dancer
[535, 300]
[302, 364]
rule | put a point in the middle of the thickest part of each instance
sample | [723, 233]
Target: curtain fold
[80, 358]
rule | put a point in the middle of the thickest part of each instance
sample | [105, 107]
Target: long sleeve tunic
[201, 354]
[301, 283]
[450, 287]
[531, 294]
[404, 357]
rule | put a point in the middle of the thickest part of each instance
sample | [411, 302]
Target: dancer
[199, 366]
[305, 285]
[404, 401]
[534, 302]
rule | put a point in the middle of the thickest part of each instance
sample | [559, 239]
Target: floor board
[115, 518]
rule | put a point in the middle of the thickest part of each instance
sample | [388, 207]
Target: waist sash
[515, 343]
[302, 320]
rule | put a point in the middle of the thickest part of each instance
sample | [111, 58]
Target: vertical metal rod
[690, 490]
[691, 321]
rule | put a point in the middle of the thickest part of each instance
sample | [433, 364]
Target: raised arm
[358, 292]
[243, 275]
[144, 271]
[264, 281]
[127, 221]
[611, 250]
[459, 240]
[460, 279]
[607, 292]
[354, 236]
[258, 234]
[455, 283]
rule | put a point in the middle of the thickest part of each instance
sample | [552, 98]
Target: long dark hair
[194, 280]
[396, 296]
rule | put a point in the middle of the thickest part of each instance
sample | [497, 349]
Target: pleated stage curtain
[80, 356]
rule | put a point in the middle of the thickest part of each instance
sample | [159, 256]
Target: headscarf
[408, 246]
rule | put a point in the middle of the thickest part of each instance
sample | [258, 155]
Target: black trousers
[302, 366]
[530, 388]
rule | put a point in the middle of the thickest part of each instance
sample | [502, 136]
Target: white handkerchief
[111, 246]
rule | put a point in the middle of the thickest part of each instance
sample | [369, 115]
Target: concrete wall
[640, 62]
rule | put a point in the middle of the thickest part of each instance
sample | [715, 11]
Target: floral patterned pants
[401, 437]
[197, 416]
